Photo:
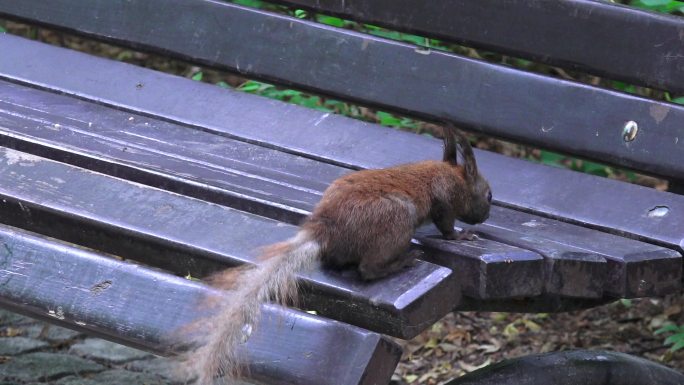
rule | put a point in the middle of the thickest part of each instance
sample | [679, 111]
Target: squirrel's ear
[463, 147]
[450, 152]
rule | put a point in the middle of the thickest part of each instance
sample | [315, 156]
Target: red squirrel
[365, 219]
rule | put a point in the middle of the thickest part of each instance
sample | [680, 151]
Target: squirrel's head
[473, 205]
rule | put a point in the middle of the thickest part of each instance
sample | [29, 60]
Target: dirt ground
[462, 342]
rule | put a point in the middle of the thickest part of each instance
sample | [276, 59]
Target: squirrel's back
[377, 209]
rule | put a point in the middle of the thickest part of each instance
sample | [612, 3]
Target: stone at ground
[45, 367]
[11, 346]
[54, 333]
[159, 365]
[7, 318]
[106, 351]
[114, 377]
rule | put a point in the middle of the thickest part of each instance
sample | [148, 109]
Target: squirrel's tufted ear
[455, 144]
[450, 153]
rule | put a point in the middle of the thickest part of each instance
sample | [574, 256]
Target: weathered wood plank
[545, 303]
[531, 108]
[146, 309]
[569, 196]
[186, 235]
[634, 269]
[568, 271]
[573, 367]
[603, 38]
[487, 270]
[223, 171]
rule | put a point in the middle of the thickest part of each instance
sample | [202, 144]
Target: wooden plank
[590, 201]
[531, 108]
[568, 270]
[487, 270]
[545, 303]
[189, 236]
[144, 308]
[186, 156]
[574, 266]
[573, 367]
[634, 269]
[606, 39]
[224, 171]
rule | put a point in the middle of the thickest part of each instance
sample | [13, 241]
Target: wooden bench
[190, 178]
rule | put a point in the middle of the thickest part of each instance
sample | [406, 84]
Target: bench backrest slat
[599, 37]
[568, 195]
[501, 101]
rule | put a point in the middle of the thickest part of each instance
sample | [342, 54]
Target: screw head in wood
[629, 131]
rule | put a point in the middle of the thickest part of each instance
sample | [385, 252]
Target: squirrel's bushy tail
[274, 279]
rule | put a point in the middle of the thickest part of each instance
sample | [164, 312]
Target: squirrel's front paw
[467, 236]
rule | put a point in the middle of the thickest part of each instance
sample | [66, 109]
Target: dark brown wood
[224, 171]
[494, 99]
[574, 367]
[590, 201]
[545, 303]
[147, 309]
[603, 38]
[189, 236]
[633, 268]
[239, 175]
[569, 271]
[676, 187]
[487, 270]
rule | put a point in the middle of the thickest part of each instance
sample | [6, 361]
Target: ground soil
[464, 341]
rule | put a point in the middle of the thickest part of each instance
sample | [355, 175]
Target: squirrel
[365, 219]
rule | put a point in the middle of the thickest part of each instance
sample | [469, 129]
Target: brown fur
[365, 219]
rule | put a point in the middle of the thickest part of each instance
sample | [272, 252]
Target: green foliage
[325, 104]
[665, 6]
[2, 30]
[334, 21]
[387, 119]
[250, 3]
[585, 166]
[291, 96]
[676, 339]
[300, 14]
[197, 76]
[624, 87]
[626, 302]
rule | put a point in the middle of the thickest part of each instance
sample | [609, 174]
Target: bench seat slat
[568, 271]
[487, 270]
[635, 269]
[146, 309]
[186, 235]
[187, 156]
[538, 110]
[566, 195]
[219, 170]
[599, 37]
